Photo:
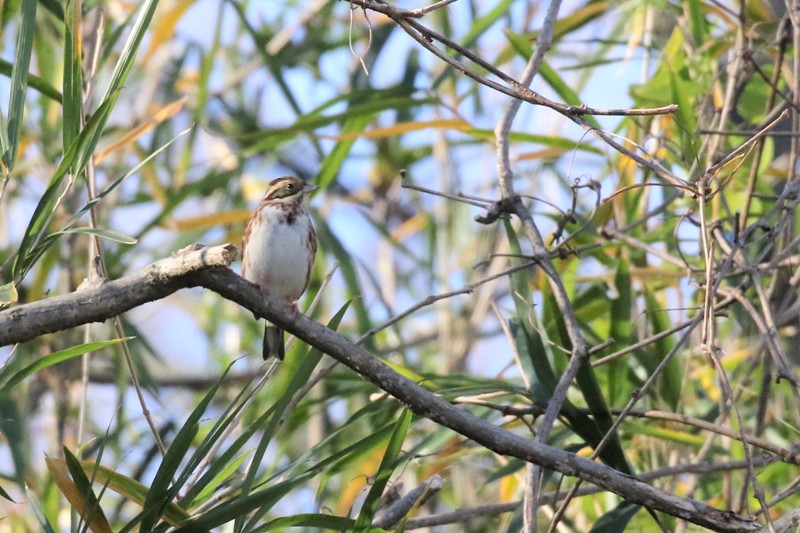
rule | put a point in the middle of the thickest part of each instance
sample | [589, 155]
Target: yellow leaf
[165, 113]
[541, 154]
[410, 227]
[403, 127]
[358, 481]
[204, 222]
[253, 190]
[508, 488]
[131, 489]
[150, 177]
[94, 519]
[164, 25]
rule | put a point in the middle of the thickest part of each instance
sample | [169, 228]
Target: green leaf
[123, 66]
[8, 294]
[221, 462]
[9, 383]
[241, 506]
[19, 81]
[114, 184]
[529, 343]
[333, 162]
[671, 380]
[46, 206]
[330, 243]
[161, 493]
[131, 489]
[38, 511]
[34, 82]
[481, 24]
[621, 332]
[297, 373]
[612, 453]
[524, 48]
[73, 79]
[92, 512]
[562, 89]
[542, 375]
[270, 139]
[222, 475]
[674, 436]
[259, 503]
[115, 86]
[387, 466]
[13, 430]
[101, 232]
[323, 521]
[697, 22]
[680, 87]
[617, 519]
[561, 143]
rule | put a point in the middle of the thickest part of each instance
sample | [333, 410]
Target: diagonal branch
[207, 267]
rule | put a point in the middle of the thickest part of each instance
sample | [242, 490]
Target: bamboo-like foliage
[610, 269]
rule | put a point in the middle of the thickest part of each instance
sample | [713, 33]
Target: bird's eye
[290, 186]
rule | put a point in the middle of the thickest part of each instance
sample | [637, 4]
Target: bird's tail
[273, 342]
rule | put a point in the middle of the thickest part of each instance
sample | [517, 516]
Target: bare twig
[389, 517]
[785, 454]
[730, 156]
[490, 510]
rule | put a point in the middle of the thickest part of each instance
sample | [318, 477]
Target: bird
[278, 249]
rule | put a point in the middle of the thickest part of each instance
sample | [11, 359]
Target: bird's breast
[279, 251]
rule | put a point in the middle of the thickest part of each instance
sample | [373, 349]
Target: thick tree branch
[97, 303]
[207, 267]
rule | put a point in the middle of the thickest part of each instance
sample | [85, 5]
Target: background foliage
[132, 129]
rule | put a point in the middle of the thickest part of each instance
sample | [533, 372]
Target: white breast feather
[279, 262]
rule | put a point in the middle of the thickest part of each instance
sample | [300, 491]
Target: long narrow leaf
[299, 376]
[387, 466]
[34, 82]
[118, 78]
[161, 493]
[19, 80]
[38, 510]
[105, 233]
[131, 489]
[50, 360]
[91, 512]
[73, 80]
[333, 162]
[241, 506]
[12, 428]
[44, 209]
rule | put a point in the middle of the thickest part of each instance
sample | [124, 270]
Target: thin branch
[787, 455]
[744, 146]
[406, 183]
[422, 11]
[426, 36]
[389, 517]
[493, 509]
[466, 289]
[517, 90]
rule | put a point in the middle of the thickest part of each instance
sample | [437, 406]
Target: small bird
[278, 249]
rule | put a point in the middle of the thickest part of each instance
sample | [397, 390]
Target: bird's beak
[309, 188]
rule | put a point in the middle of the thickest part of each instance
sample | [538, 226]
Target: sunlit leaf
[387, 466]
[8, 294]
[9, 381]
